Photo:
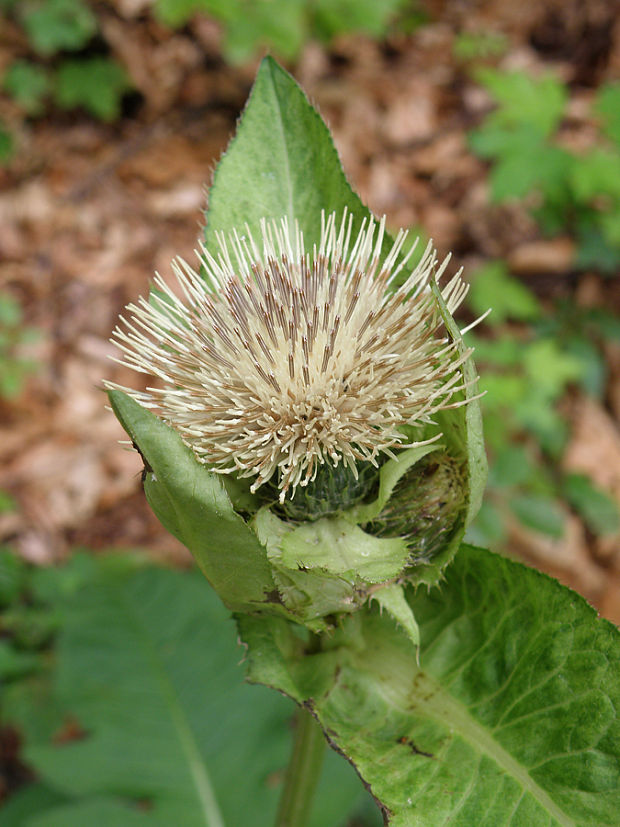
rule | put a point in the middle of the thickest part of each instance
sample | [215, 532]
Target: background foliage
[126, 683]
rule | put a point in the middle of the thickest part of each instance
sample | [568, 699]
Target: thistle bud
[425, 507]
[319, 376]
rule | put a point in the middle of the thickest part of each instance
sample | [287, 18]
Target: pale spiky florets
[277, 360]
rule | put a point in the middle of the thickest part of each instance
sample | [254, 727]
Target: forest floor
[89, 211]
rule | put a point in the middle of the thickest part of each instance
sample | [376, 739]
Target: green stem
[302, 774]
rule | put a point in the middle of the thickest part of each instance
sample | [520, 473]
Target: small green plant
[29, 85]
[96, 84]
[14, 368]
[479, 45]
[283, 25]
[60, 72]
[527, 364]
[569, 192]
[54, 26]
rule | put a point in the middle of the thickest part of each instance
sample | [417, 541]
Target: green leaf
[595, 251]
[526, 160]
[281, 163]
[504, 351]
[607, 105]
[281, 26]
[30, 626]
[610, 226]
[535, 413]
[100, 811]
[16, 664]
[54, 25]
[28, 84]
[545, 169]
[97, 84]
[391, 598]
[503, 390]
[510, 718]
[600, 511]
[508, 298]
[12, 576]
[594, 370]
[192, 504]
[512, 466]
[7, 144]
[496, 140]
[605, 323]
[176, 13]
[596, 174]
[549, 367]
[264, 24]
[539, 513]
[124, 653]
[538, 102]
[479, 45]
[325, 567]
[336, 546]
[147, 667]
[27, 802]
[334, 17]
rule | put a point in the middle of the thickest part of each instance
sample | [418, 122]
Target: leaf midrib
[285, 153]
[443, 707]
[433, 701]
[198, 770]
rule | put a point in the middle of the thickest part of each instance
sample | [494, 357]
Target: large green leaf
[29, 801]
[281, 163]
[147, 675]
[510, 718]
[193, 505]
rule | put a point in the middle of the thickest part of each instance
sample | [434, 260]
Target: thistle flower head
[277, 360]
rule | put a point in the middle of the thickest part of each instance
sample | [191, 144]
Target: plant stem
[303, 771]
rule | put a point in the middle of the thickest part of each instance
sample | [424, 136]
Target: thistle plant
[276, 362]
[311, 432]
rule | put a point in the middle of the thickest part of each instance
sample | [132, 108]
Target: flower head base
[279, 360]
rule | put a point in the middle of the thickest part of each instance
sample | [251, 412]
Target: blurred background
[491, 127]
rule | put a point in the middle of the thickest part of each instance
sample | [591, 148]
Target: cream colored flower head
[278, 359]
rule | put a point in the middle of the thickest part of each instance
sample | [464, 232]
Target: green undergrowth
[284, 26]
[529, 359]
[15, 336]
[125, 684]
[67, 62]
[61, 69]
[570, 191]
